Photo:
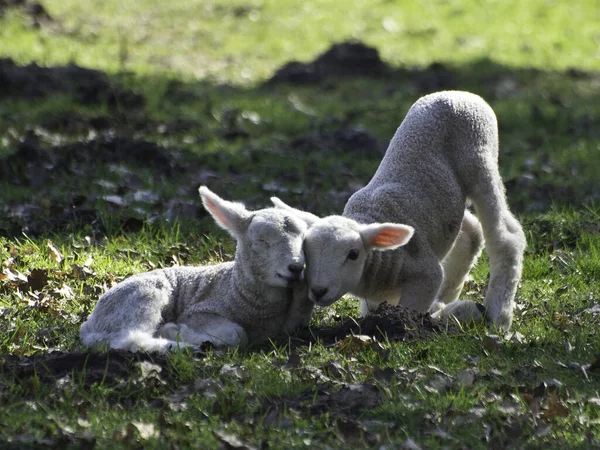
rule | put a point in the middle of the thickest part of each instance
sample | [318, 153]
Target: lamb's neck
[380, 274]
[254, 293]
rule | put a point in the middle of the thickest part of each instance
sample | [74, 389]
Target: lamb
[407, 237]
[257, 296]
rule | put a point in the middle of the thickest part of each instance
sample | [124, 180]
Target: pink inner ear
[389, 237]
[216, 211]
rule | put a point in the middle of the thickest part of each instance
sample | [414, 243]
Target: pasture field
[113, 113]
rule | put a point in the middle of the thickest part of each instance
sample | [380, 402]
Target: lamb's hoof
[465, 311]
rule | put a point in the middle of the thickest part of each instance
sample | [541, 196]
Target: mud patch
[347, 140]
[74, 165]
[355, 59]
[87, 86]
[344, 59]
[395, 323]
[89, 367]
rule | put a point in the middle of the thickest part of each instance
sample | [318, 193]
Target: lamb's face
[274, 247]
[335, 258]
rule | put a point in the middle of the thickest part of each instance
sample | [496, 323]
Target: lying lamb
[445, 151]
[258, 295]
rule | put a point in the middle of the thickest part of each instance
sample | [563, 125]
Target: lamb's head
[269, 241]
[336, 249]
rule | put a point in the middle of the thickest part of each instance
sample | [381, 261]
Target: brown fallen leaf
[492, 342]
[231, 441]
[37, 279]
[554, 408]
[334, 369]
[55, 254]
[354, 343]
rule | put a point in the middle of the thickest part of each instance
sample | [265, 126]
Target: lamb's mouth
[290, 278]
[322, 301]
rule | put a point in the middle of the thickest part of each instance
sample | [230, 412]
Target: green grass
[200, 67]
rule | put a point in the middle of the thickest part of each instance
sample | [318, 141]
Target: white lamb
[257, 296]
[444, 152]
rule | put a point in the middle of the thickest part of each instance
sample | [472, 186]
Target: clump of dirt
[343, 59]
[395, 323]
[86, 85]
[355, 59]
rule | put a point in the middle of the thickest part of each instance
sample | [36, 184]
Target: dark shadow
[80, 145]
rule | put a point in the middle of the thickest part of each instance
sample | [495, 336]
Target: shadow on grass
[79, 145]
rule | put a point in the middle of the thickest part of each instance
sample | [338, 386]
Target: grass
[200, 68]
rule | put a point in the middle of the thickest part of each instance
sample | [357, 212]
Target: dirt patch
[87, 86]
[89, 367]
[395, 323]
[355, 59]
[346, 140]
[72, 165]
[344, 59]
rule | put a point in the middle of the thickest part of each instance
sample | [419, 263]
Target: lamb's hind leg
[462, 257]
[504, 243]
[457, 264]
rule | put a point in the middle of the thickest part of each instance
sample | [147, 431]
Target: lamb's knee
[506, 238]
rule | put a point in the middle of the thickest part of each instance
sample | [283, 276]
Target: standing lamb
[258, 295]
[444, 152]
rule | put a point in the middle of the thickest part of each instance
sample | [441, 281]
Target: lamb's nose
[296, 268]
[319, 292]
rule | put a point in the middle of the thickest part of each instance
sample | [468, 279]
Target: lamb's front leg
[420, 290]
[422, 279]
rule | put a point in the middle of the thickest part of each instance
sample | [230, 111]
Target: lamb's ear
[309, 218]
[229, 215]
[385, 236]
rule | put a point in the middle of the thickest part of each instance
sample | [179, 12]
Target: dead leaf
[467, 378]
[207, 386]
[55, 254]
[145, 430]
[554, 408]
[492, 342]
[147, 370]
[80, 272]
[547, 386]
[37, 279]
[231, 441]
[334, 369]
[354, 343]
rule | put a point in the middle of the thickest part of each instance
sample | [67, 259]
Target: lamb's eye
[353, 254]
[264, 243]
